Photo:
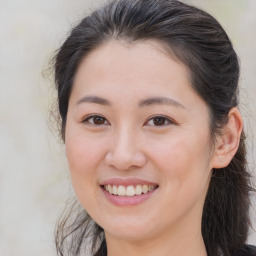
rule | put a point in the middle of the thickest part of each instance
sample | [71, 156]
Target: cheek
[82, 152]
[185, 175]
[173, 153]
[183, 161]
[83, 155]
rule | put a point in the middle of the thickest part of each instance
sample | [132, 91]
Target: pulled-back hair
[196, 39]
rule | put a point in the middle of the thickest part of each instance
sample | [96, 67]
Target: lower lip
[127, 200]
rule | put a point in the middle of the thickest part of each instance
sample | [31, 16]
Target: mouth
[125, 194]
[129, 190]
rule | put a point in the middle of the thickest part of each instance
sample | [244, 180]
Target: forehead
[121, 64]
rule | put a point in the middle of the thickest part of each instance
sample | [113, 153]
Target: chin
[129, 234]
[132, 230]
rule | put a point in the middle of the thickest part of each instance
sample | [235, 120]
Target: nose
[125, 152]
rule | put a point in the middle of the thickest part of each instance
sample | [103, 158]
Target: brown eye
[96, 120]
[159, 121]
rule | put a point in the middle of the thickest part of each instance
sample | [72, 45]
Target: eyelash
[93, 118]
[164, 121]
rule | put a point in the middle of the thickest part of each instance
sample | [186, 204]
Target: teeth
[138, 190]
[120, 191]
[110, 189]
[114, 190]
[129, 190]
[145, 189]
[150, 188]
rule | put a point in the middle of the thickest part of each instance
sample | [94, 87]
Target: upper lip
[126, 182]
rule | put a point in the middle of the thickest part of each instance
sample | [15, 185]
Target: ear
[228, 142]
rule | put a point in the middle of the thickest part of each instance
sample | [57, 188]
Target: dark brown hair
[196, 39]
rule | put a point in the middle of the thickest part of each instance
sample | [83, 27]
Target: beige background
[34, 181]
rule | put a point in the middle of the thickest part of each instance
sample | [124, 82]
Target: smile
[130, 190]
[128, 195]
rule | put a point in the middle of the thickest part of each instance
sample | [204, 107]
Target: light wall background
[34, 182]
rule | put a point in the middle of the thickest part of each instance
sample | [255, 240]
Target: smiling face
[138, 142]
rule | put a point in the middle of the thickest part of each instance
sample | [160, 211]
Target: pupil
[98, 120]
[159, 121]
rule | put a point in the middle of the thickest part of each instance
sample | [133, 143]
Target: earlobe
[228, 142]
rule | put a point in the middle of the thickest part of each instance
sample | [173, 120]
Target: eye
[96, 120]
[159, 121]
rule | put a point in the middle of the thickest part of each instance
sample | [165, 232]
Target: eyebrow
[142, 103]
[160, 101]
[94, 99]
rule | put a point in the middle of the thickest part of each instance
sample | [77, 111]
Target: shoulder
[247, 250]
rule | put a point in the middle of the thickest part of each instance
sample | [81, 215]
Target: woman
[148, 96]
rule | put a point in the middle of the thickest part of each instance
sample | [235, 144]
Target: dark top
[248, 250]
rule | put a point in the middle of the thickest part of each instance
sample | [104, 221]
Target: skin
[125, 142]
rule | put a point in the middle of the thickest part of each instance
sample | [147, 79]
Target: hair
[197, 40]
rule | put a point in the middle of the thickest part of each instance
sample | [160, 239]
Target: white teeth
[115, 190]
[110, 189]
[128, 190]
[121, 191]
[138, 190]
[145, 189]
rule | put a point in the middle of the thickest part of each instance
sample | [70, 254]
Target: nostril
[125, 160]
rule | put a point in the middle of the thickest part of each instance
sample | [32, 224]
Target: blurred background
[34, 181]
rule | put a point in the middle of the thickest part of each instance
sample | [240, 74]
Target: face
[138, 142]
